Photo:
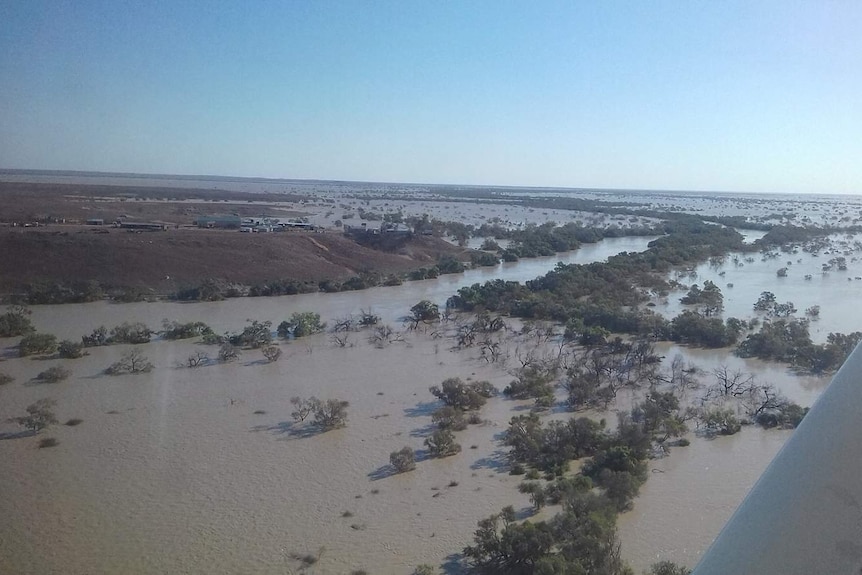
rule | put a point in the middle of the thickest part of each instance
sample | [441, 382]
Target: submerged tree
[39, 416]
[464, 396]
[15, 322]
[442, 443]
[403, 460]
[132, 362]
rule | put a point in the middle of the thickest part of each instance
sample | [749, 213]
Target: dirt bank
[167, 260]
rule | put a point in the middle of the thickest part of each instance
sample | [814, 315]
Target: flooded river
[202, 470]
[390, 303]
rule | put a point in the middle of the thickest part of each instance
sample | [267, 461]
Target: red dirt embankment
[166, 260]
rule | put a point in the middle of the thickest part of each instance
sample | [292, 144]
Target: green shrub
[463, 396]
[70, 349]
[177, 330]
[134, 333]
[448, 417]
[54, 374]
[271, 353]
[39, 416]
[256, 335]
[301, 325]
[228, 352]
[99, 337]
[37, 343]
[442, 443]
[403, 460]
[15, 322]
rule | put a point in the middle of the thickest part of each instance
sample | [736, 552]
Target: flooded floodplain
[204, 470]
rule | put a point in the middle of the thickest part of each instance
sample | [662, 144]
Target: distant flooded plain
[203, 471]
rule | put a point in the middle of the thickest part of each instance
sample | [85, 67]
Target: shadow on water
[9, 353]
[33, 382]
[525, 513]
[422, 409]
[423, 431]
[454, 565]
[383, 472]
[289, 430]
[497, 461]
[16, 434]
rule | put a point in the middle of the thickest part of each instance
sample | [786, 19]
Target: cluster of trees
[172, 330]
[459, 399]
[423, 312]
[134, 333]
[581, 539]
[709, 300]
[617, 463]
[548, 238]
[597, 373]
[605, 295]
[326, 414]
[733, 392]
[461, 403]
[55, 293]
[696, 328]
[41, 293]
[216, 290]
[788, 340]
[768, 303]
[301, 324]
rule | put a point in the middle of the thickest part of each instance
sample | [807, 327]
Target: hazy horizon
[260, 179]
[733, 97]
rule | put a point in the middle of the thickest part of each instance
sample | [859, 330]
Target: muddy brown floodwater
[173, 471]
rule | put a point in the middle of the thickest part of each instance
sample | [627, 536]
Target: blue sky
[760, 96]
